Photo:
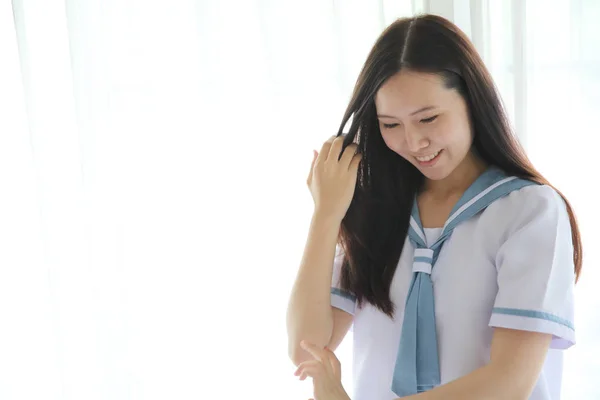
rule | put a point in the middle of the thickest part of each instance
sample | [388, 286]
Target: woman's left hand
[326, 372]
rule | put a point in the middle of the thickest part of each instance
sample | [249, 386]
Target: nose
[415, 140]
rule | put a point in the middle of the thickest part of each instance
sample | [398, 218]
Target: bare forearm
[487, 383]
[516, 360]
[309, 314]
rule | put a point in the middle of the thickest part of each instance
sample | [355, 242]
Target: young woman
[434, 237]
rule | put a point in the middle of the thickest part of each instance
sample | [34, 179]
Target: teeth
[428, 158]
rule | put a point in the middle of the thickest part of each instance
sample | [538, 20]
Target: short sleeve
[535, 266]
[340, 298]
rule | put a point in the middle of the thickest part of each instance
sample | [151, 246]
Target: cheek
[441, 133]
[460, 138]
[451, 135]
[393, 139]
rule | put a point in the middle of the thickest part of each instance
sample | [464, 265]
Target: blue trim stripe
[489, 177]
[344, 294]
[427, 260]
[418, 237]
[533, 314]
[414, 235]
[496, 193]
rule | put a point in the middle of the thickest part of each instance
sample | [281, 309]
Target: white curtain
[154, 211]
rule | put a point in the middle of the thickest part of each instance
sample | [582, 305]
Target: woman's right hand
[332, 182]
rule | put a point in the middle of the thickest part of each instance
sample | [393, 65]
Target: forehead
[407, 91]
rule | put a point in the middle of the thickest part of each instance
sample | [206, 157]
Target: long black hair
[376, 224]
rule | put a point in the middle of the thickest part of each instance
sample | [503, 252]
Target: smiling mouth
[426, 159]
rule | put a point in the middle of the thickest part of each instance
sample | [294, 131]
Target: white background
[153, 158]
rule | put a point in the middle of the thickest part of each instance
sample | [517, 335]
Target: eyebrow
[426, 108]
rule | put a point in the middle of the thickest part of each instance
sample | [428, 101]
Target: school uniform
[503, 259]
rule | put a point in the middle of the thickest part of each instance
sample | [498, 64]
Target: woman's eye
[389, 126]
[429, 120]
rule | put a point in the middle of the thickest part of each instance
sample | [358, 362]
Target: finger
[348, 154]
[312, 167]
[313, 350]
[356, 159]
[312, 371]
[336, 366]
[304, 375]
[324, 153]
[305, 364]
[335, 149]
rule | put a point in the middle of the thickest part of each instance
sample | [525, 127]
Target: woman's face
[424, 122]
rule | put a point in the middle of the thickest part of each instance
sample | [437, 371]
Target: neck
[459, 180]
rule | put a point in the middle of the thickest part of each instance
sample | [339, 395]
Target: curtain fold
[154, 155]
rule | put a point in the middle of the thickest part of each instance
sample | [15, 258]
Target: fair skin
[419, 117]
[516, 360]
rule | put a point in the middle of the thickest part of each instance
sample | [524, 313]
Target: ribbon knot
[423, 260]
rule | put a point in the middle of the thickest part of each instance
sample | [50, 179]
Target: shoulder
[535, 204]
[535, 193]
[531, 199]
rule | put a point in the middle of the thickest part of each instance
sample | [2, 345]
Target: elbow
[297, 354]
[315, 332]
[293, 352]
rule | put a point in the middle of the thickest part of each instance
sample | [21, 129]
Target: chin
[435, 174]
[439, 171]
